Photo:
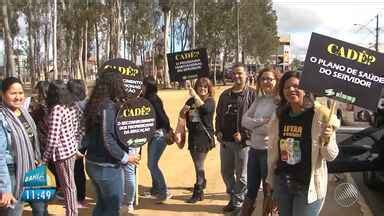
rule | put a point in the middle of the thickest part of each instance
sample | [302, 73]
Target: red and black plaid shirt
[63, 133]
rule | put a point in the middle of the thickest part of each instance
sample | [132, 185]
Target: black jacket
[162, 120]
[103, 143]
[247, 96]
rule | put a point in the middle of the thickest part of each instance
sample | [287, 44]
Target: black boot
[198, 194]
[204, 183]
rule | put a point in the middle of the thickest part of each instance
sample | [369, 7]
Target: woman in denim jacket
[105, 153]
[19, 149]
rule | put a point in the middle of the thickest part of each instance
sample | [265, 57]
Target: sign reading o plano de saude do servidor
[343, 71]
[132, 75]
[187, 65]
[135, 122]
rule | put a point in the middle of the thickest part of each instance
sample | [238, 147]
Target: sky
[334, 18]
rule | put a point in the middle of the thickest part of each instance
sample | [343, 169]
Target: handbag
[180, 133]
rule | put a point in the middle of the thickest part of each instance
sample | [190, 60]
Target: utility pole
[193, 24]
[377, 33]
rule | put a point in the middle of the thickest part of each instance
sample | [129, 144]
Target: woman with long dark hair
[63, 139]
[198, 112]
[105, 153]
[297, 168]
[157, 144]
[19, 149]
[256, 120]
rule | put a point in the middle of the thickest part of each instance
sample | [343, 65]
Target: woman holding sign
[19, 150]
[105, 153]
[198, 112]
[297, 169]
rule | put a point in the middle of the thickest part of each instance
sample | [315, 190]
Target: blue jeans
[108, 184]
[234, 158]
[38, 208]
[294, 202]
[129, 181]
[156, 148]
[257, 171]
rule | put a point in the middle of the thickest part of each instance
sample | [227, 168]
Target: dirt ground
[178, 169]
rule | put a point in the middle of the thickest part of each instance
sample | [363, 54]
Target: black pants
[80, 179]
[198, 159]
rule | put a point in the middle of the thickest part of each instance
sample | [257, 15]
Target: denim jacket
[6, 156]
[103, 144]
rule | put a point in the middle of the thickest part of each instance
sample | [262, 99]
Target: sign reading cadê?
[132, 75]
[135, 122]
[187, 65]
[343, 71]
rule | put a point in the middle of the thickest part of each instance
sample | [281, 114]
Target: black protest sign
[132, 75]
[187, 65]
[135, 122]
[343, 71]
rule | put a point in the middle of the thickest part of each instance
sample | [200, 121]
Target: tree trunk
[31, 47]
[85, 50]
[71, 65]
[97, 45]
[167, 82]
[46, 47]
[115, 29]
[11, 67]
[214, 68]
[80, 71]
[54, 40]
[37, 57]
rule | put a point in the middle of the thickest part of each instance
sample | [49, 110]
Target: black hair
[8, 82]
[150, 86]
[236, 65]
[77, 88]
[109, 85]
[58, 93]
[283, 105]
[42, 88]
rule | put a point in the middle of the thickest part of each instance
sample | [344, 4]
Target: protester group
[271, 135]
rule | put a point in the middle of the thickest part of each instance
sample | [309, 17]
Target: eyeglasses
[269, 79]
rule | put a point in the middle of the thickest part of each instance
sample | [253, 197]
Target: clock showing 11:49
[38, 194]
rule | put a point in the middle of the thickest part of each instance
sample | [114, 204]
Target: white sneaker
[131, 209]
[127, 209]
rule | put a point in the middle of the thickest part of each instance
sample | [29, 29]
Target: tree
[165, 6]
[258, 28]
[11, 68]
[54, 40]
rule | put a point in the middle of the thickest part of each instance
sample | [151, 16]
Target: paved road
[373, 198]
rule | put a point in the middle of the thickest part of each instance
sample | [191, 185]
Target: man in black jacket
[233, 103]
